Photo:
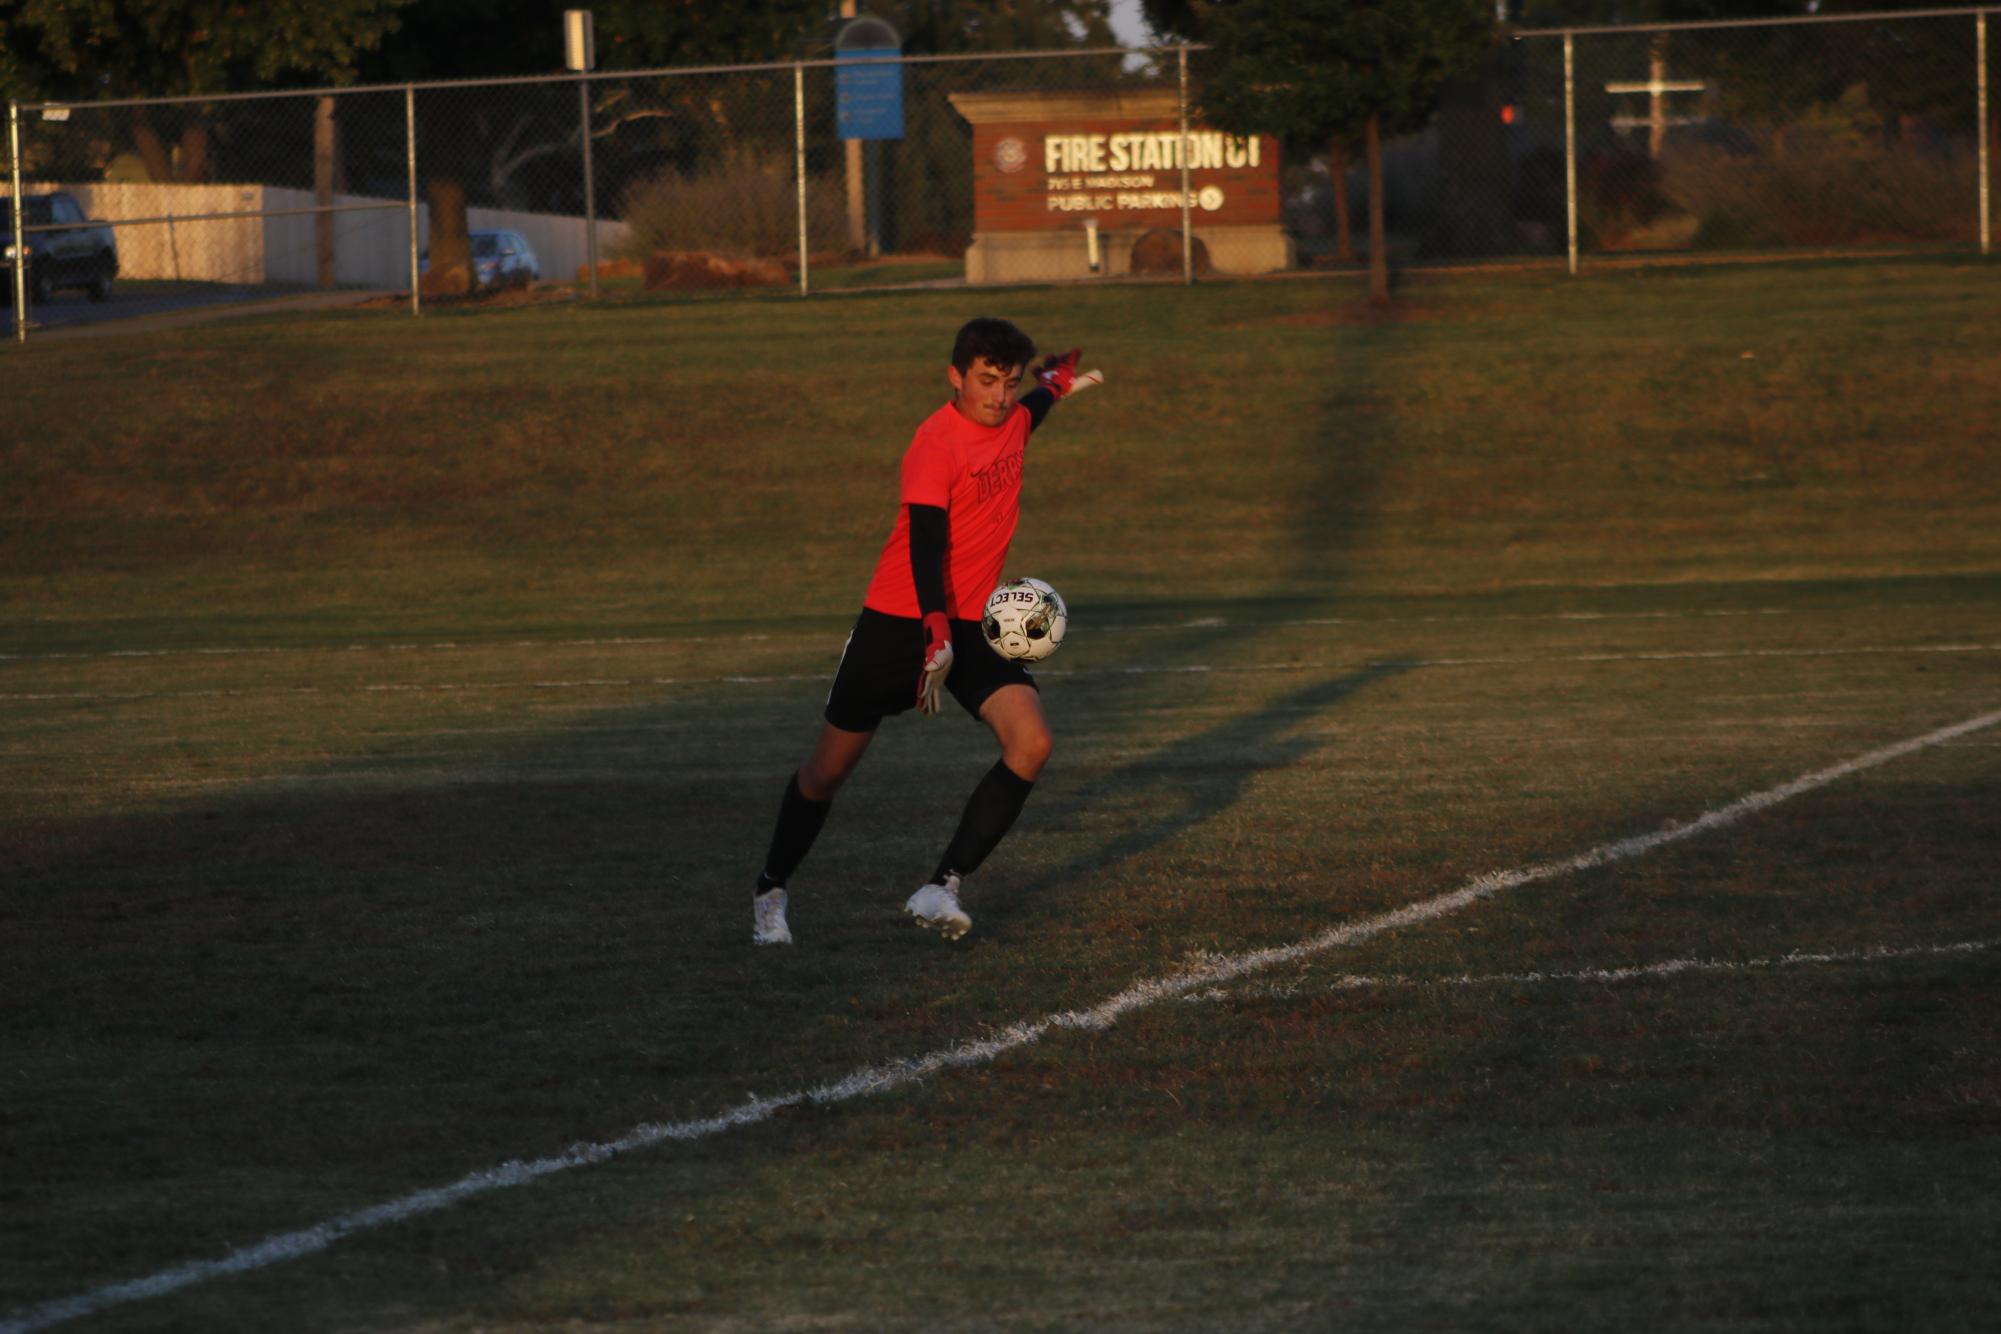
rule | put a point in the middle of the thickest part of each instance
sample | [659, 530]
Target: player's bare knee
[819, 782]
[1027, 753]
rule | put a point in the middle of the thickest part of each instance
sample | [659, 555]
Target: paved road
[139, 310]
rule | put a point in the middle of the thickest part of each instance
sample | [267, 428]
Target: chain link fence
[1768, 137]
[200, 201]
[1748, 137]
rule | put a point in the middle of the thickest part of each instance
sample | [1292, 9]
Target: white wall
[371, 247]
[559, 241]
[225, 251]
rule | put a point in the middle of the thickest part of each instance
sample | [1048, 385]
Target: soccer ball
[1025, 620]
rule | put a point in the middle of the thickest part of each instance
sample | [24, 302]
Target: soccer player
[919, 630]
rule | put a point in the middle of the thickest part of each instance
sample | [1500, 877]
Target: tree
[941, 26]
[724, 127]
[1770, 73]
[522, 147]
[1328, 71]
[88, 49]
[929, 169]
[1892, 77]
[486, 145]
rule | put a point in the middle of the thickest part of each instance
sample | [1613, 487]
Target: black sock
[990, 813]
[799, 821]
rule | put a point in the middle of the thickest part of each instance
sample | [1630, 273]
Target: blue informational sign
[869, 79]
[868, 93]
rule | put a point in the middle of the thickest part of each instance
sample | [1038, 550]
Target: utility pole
[857, 200]
[581, 56]
[1657, 86]
[326, 184]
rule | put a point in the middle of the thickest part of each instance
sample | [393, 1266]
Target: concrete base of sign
[1009, 257]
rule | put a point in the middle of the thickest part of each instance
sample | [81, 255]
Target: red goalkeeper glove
[1059, 373]
[937, 661]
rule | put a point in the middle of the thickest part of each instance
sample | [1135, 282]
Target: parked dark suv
[83, 256]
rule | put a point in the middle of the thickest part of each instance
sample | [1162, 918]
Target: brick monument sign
[1050, 168]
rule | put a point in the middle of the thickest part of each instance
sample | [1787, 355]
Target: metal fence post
[410, 153]
[799, 161]
[1570, 146]
[18, 209]
[590, 182]
[1986, 168]
[1187, 217]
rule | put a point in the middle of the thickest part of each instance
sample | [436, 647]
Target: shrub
[746, 206]
[1618, 191]
[1834, 176]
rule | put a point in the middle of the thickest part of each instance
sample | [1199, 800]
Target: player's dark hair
[995, 339]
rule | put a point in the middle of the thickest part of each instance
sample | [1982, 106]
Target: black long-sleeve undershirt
[931, 529]
[1038, 401]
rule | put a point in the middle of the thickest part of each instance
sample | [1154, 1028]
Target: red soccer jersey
[973, 473]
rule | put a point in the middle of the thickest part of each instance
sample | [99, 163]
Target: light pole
[580, 54]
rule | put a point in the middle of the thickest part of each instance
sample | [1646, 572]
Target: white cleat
[938, 906]
[767, 919]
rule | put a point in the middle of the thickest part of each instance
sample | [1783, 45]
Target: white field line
[1203, 975]
[656, 641]
[1600, 976]
[1195, 669]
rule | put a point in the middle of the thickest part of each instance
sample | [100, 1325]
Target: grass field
[393, 712]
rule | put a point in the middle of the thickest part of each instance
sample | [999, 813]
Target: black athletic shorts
[884, 658]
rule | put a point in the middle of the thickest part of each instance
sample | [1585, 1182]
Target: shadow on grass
[252, 1013]
[1188, 782]
[294, 1001]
